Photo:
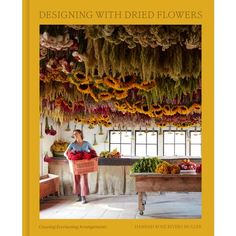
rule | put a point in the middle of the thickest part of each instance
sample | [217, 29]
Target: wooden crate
[78, 167]
[49, 184]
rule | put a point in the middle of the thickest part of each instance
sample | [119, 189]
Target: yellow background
[31, 22]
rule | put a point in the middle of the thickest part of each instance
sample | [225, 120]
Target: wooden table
[153, 182]
[49, 184]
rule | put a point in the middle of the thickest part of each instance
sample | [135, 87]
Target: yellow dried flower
[105, 96]
[120, 94]
[174, 110]
[156, 107]
[161, 124]
[146, 85]
[166, 110]
[84, 88]
[111, 82]
[158, 113]
[127, 82]
[183, 110]
[196, 108]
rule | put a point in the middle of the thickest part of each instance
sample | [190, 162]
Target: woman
[80, 187]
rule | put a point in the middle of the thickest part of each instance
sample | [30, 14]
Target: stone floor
[164, 205]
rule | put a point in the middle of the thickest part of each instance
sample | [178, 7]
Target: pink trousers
[81, 185]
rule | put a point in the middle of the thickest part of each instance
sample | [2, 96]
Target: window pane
[196, 137]
[152, 150]
[168, 137]
[180, 150]
[140, 150]
[180, 137]
[126, 149]
[115, 146]
[115, 136]
[140, 137]
[196, 150]
[126, 137]
[152, 137]
[168, 150]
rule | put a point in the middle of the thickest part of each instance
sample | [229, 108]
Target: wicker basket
[78, 167]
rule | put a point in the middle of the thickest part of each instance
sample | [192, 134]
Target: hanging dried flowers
[158, 113]
[196, 108]
[93, 96]
[156, 107]
[53, 66]
[58, 101]
[183, 110]
[43, 53]
[120, 94]
[130, 108]
[78, 77]
[174, 110]
[127, 82]
[130, 74]
[145, 109]
[111, 82]
[161, 124]
[183, 124]
[167, 110]
[98, 81]
[60, 42]
[76, 55]
[105, 96]
[146, 85]
[91, 126]
[83, 88]
[108, 124]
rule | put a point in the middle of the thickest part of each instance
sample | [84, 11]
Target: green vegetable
[146, 165]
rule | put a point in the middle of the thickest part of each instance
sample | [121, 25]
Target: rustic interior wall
[47, 140]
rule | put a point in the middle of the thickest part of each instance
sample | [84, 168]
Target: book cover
[118, 117]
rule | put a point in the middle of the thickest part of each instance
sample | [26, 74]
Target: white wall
[47, 140]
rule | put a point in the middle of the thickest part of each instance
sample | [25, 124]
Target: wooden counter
[113, 176]
[153, 182]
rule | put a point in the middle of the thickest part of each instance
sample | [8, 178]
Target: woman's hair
[80, 132]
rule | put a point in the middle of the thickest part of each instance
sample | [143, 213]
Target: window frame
[145, 144]
[175, 131]
[120, 143]
[190, 141]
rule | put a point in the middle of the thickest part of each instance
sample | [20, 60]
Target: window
[146, 143]
[120, 140]
[174, 143]
[195, 143]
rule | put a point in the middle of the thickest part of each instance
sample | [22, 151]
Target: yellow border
[31, 21]
[25, 120]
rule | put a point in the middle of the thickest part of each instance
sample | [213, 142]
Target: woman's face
[77, 135]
